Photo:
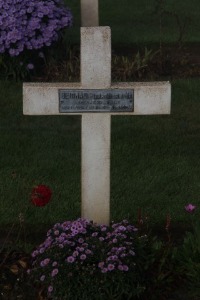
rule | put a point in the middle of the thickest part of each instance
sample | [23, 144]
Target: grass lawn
[155, 164]
[154, 161]
[134, 22]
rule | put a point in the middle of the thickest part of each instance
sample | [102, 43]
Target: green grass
[154, 160]
[134, 22]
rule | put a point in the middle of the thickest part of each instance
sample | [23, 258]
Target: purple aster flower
[74, 232]
[125, 268]
[190, 208]
[122, 228]
[94, 234]
[54, 272]
[104, 270]
[83, 257]
[88, 251]
[42, 278]
[120, 267]
[81, 249]
[123, 255]
[35, 253]
[61, 239]
[12, 52]
[101, 265]
[50, 289]
[70, 259]
[42, 264]
[54, 264]
[81, 241]
[41, 54]
[103, 228]
[30, 66]
[111, 267]
[75, 254]
[46, 261]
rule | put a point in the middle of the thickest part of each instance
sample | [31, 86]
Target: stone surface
[149, 97]
[95, 57]
[96, 167]
[89, 13]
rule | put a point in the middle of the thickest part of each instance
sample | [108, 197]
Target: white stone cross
[89, 13]
[44, 99]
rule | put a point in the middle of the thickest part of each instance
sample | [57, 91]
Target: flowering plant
[79, 252]
[27, 29]
[41, 195]
[190, 208]
[26, 24]
[188, 261]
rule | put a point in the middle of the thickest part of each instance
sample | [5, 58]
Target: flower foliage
[41, 195]
[31, 24]
[81, 250]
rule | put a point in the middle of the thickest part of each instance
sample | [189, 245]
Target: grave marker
[52, 99]
[89, 13]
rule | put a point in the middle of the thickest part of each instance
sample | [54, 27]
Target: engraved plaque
[111, 100]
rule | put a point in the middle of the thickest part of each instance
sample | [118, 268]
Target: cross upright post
[96, 99]
[89, 13]
[95, 141]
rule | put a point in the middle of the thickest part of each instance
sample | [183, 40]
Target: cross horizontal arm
[149, 98]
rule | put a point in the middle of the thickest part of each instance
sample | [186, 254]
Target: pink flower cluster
[190, 208]
[83, 247]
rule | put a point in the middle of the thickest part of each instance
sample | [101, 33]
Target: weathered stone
[149, 97]
[96, 167]
[89, 13]
[95, 57]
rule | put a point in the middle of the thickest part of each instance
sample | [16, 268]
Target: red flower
[41, 195]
